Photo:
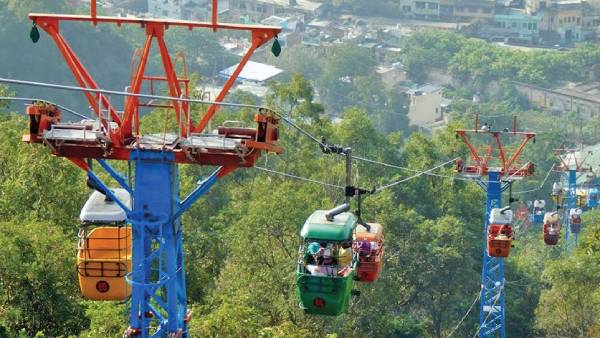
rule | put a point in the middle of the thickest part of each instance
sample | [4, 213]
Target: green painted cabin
[325, 295]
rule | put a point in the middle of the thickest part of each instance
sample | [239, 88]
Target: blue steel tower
[158, 306]
[572, 165]
[500, 168]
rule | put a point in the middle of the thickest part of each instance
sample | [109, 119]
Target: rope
[119, 93]
[299, 177]
[27, 99]
[541, 185]
[465, 316]
[413, 176]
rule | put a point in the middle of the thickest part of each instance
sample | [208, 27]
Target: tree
[37, 284]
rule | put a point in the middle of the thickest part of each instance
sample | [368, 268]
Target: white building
[184, 9]
[426, 105]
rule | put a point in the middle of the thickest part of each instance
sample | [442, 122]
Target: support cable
[299, 177]
[540, 186]
[239, 105]
[411, 177]
[491, 310]
[465, 316]
[120, 93]
[27, 99]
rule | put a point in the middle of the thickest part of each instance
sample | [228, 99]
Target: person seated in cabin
[506, 231]
[313, 254]
[345, 254]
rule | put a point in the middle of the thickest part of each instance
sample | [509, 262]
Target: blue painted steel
[116, 175]
[201, 189]
[158, 291]
[571, 238]
[109, 192]
[491, 307]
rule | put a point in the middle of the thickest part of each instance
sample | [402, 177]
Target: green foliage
[570, 304]
[476, 63]
[37, 290]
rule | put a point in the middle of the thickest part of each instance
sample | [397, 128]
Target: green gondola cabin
[326, 266]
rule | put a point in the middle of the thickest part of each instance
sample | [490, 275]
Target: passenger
[327, 258]
[313, 253]
[345, 254]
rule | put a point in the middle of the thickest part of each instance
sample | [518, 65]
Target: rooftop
[318, 227]
[254, 71]
[304, 5]
[424, 89]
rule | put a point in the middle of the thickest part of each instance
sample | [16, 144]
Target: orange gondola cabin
[500, 234]
[368, 244]
[104, 248]
[551, 228]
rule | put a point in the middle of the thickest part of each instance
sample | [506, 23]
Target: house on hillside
[426, 105]
[257, 10]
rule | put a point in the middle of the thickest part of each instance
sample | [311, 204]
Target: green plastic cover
[318, 227]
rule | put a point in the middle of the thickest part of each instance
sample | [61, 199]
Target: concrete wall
[559, 102]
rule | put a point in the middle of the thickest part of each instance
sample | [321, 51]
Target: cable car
[581, 198]
[326, 266]
[368, 244]
[557, 193]
[500, 232]
[592, 198]
[539, 207]
[104, 248]
[575, 220]
[522, 212]
[551, 228]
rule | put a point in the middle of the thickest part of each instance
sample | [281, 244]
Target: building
[392, 75]
[581, 98]
[513, 25]
[426, 105]
[562, 21]
[473, 9]
[167, 8]
[257, 10]
[428, 9]
[291, 29]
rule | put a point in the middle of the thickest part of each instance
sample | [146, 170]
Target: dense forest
[241, 239]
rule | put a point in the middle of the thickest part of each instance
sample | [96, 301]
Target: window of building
[432, 5]
[524, 25]
[487, 10]
[242, 5]
[419, 4]
[406, 8]
[534, 26]
[460, 9]
[513, 25]
[472, 9]
[578, 19]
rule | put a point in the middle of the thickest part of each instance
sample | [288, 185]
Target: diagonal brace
[116, 175]
[109, 192]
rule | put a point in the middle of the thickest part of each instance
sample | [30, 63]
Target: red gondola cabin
[369, 246]
[500, 233]
[551, 228]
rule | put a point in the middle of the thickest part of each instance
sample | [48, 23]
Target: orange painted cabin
[499, 240]
[370, 256]
[500, 234]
